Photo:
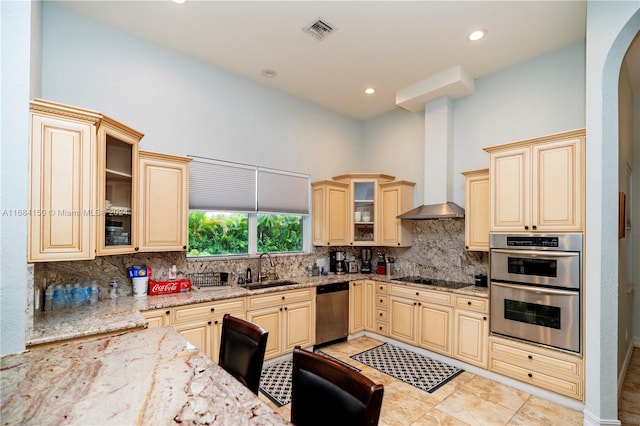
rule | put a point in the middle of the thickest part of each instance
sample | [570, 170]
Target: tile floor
[629, 402]
[468, 399]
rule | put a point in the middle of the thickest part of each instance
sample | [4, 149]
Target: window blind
[282, 192]
[218, 185]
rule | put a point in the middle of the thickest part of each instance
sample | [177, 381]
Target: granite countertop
[124, 313]
[143, 377]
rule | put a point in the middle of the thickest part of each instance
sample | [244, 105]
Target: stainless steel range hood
[434, 211]
[436, 94]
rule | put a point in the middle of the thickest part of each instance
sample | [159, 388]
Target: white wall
[185, 106]
[611, 27]
[635, 221]
[542, 96]
[20, 29]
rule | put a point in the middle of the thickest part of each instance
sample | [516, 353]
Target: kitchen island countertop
[123, 314]
[143, 377]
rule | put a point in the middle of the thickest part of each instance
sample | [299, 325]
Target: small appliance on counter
[352, 266]
[381, 266]
[481, 280]
[365, 266]
[341, 264]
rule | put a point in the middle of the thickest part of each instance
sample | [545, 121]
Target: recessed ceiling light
[477, 35]
[269, 73]
[369, 90]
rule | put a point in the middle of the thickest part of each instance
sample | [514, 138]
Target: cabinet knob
[285, 308]
[380, 313]
[209, 322]
[469, 303]
[419, 303]
[529, 374]
[184, 247]
[417, 294]
[213, 309]
[526, 227]
[534, 227]
[379, 328]
[136, 248]
[466, 247]
[167, 312]
[215, 322]
[415, 303]
[282, 297]
[280, 309]
[530, 357]
[484, 318]
[398, 243]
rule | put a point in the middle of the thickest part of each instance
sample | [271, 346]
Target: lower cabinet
[288, 316]
[471, 334]
[157, 317]
[546, 368]
[356, 306]
[380, 321]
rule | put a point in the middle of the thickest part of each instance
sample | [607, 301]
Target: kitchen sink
[269, 284]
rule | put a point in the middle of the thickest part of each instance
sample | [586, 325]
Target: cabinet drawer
[278, 298]
[534, 358]
[382, 328]
[382, 301]
[472, 303]
[381, 315]
[204, 310]
[429, 296]
[381, 288]
[573, 388]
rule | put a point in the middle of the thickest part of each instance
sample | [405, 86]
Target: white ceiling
[384, 44]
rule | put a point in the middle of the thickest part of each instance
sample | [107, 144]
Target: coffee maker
[365, 266]
[341, 263]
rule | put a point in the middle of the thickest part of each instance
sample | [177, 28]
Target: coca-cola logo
[164, 288]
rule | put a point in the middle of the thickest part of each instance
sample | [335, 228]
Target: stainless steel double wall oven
[536, 288]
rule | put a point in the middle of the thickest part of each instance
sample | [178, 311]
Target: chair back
[242, 348]
[325, 392]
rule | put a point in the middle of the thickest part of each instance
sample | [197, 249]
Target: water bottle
[95, 292]
[68, 288]
[58, 297]
[76, 295]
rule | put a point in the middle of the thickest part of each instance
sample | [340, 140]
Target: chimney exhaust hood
[435, 95]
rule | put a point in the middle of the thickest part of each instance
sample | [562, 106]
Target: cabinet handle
[526, 227]
[213, 309]
[184, 247]
[167, 312]
[534, 227]
[417, 294]
[209, 322]
[282, 297]
[398, 243]
[466, 247]
[379, 328]
[415, 303]
[419, 304]
[469, 303]
[380, 300]
[529, 374]
[530, 357]
[380, 313]
[280, 309]
[285, 308]
[136, 249]
[215, 322]
[381, 288]
[484, 318]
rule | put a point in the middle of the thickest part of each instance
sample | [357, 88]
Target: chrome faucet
[260, 276]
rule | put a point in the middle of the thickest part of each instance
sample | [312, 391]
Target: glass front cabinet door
[117, 188]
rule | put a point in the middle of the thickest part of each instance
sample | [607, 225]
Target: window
[241, 209]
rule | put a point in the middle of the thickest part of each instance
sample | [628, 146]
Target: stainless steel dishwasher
[332, 313]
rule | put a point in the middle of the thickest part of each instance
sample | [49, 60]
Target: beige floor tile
[436, 417]
[400, 409]
[285, 411]
[474, 410]
[542, 412]
[498, 393]
[425, 398]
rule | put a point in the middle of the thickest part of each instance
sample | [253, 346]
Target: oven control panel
[532, 241]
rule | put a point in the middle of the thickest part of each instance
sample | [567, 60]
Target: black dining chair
[325, 392]
[242, 348]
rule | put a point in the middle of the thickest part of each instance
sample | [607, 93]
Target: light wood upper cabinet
[62, 176]
[476, 216]
[538, 184]
[329, 220]
[395, 198]
[117, 153]
[164, 202]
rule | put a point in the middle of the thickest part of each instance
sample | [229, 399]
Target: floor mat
[420, 371]
[275, 382]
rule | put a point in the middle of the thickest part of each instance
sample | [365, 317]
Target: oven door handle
[537, 253]
[536, 289]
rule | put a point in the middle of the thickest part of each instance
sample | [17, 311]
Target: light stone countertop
[123, 314]
[143, 377]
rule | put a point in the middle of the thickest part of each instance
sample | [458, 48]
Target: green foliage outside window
[217, 233]
[212, 233]
[278, 233]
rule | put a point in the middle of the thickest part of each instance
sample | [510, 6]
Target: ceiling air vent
[319, 29]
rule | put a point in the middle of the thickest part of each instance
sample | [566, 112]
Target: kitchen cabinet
[356, 306]
[363, 212]
[381, 305]
[361, 306]
[476, 215]
[329, 213]
[164, 202]
[549, 369]
[421, 317]
[537, 185]
[157, 317]
[62, 176]
[471, 330]
[117, 155]
[288, 316]
[396, 198]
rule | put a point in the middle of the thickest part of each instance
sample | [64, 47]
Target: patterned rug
[412, 368]
[275, 382]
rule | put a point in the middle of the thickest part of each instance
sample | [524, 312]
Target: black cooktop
[433, 282]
